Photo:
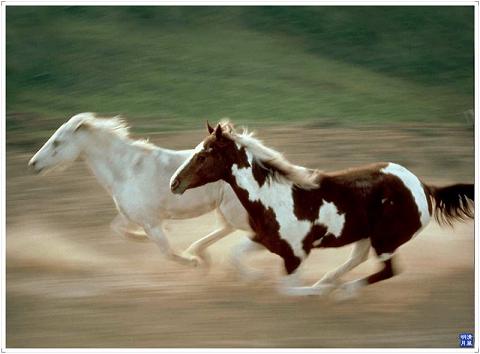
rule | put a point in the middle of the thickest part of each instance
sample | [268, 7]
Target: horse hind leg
[124, 228]
[351, 288]
[328, 283]
[358, 255]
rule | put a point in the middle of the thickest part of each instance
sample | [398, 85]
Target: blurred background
[331, 87]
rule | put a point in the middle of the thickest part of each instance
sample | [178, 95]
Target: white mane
[300, 176]
[116, 126]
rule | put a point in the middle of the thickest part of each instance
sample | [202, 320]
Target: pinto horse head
[211, 160]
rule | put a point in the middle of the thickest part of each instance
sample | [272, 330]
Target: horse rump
[453, 202]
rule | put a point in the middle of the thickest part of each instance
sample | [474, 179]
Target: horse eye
[56, 143]
[201, 158]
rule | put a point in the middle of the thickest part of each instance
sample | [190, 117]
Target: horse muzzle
[34, 166]
[177, 187]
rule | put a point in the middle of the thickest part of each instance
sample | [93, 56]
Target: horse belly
[136, 209]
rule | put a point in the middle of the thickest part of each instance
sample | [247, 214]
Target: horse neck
[245, 183]
[104, 156]
[111, 158]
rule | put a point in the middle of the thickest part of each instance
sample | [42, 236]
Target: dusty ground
[72, 283]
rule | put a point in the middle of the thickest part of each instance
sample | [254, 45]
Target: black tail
[453, 202]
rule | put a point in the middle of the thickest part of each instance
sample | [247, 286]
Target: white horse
[136, 174]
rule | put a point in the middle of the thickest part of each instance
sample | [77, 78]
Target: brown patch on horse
[242, 161]
[259, 173]
[386, 272]
[343, 188]
[300, 198]
[317, 232]
[397, 219]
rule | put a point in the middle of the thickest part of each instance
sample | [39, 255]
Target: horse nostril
[33, 165]
[175, 184]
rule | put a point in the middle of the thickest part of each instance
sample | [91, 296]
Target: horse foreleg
[239, 252]
[289, 285]
[196, 251]
[122, 227]
[350, 289]
[157, 235]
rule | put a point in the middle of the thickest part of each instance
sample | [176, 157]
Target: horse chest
[135, 201]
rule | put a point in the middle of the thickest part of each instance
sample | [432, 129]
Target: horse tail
[453, 202]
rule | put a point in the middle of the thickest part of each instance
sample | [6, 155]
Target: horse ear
[218, 131]
[209, 128]
[80, 126]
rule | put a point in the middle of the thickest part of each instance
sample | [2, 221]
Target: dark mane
[266, 172]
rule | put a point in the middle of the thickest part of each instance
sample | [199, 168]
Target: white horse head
[70, 140]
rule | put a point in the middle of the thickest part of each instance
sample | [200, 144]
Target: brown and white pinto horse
[293, 209]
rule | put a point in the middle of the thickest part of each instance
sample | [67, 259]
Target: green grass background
[174, 67]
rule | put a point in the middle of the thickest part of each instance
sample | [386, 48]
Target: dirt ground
[72, 283]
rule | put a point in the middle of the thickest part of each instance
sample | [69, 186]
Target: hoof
[317, 290]
[132, 236]
[136, 237]
[297, 291]
[325, 289]
[194, 260]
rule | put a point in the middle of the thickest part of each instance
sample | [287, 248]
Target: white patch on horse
[385, 256]
[278, 196]
[329, 217]
[413, 184]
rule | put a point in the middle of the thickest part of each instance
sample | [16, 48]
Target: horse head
[211, 160]
[64, 146]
